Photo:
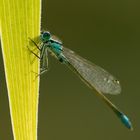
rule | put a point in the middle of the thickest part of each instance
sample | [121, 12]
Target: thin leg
[42, 71]
[42, 51]
[44, 61]
[43, 57]
[33, 53]
[34, 43]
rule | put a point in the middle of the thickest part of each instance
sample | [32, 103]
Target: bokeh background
[108, 34]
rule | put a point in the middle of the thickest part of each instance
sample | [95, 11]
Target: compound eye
[45, 36]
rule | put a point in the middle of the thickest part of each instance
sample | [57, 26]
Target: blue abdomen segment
[125, 120]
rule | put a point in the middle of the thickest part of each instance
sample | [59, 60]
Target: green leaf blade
[18, 21]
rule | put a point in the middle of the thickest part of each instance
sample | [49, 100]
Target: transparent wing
[55, 38]
[93, 75]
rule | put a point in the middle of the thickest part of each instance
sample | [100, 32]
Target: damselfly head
[45, 36]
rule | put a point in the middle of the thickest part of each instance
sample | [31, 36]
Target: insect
[92, 75]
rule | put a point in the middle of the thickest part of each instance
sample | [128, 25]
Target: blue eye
[45, 36]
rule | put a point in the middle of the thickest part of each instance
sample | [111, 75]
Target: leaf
[20, 19]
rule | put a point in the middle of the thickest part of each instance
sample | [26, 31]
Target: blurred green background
[108, 34]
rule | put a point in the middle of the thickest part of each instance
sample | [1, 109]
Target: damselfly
[92, 75]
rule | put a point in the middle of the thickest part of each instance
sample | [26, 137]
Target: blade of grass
[20, 19]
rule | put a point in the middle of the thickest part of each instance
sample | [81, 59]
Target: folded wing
[94, 76]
